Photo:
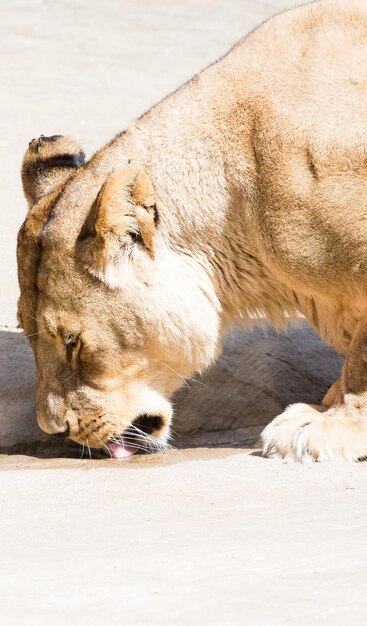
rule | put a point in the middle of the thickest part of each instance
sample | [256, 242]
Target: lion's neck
[186, 157]
[196, 148]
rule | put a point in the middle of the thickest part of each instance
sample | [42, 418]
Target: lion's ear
[126, 208]
[121, 228]
[48, 163]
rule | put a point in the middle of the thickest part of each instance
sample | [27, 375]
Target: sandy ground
[195, 537]
[209, 533]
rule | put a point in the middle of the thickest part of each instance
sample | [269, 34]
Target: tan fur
[110, 216]
[258, 170]
[124, 213]
[38, 177]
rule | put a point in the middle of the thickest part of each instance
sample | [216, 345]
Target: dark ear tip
[36, 143]
[54, 145]
[48, 162]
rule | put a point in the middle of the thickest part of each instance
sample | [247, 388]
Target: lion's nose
[57, 428]
[52, 415]
[64, 434]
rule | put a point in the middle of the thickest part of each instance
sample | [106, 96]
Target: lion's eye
[71, 340]
[72, 345]
[135, 236]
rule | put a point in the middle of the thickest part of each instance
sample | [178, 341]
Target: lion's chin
[120, 450]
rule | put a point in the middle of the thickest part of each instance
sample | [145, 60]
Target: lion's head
[116, 317]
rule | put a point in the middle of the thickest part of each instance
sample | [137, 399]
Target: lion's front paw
[284, 436]
[303, 434]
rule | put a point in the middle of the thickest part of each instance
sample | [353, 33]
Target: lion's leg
[334, 396]
[306, 434]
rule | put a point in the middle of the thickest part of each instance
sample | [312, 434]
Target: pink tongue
[120, 450]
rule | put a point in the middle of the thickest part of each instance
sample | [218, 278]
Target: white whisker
[103, 444]
[177, 374]
[89, 450]
[194, 380]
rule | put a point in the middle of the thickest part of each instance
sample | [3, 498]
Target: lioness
[244, 193]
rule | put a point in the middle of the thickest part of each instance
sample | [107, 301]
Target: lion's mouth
[138, 437]
[119, 449]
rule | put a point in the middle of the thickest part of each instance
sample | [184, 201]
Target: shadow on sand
[259, 373]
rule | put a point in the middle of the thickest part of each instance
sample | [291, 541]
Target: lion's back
[309, 66]
[306, 88]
